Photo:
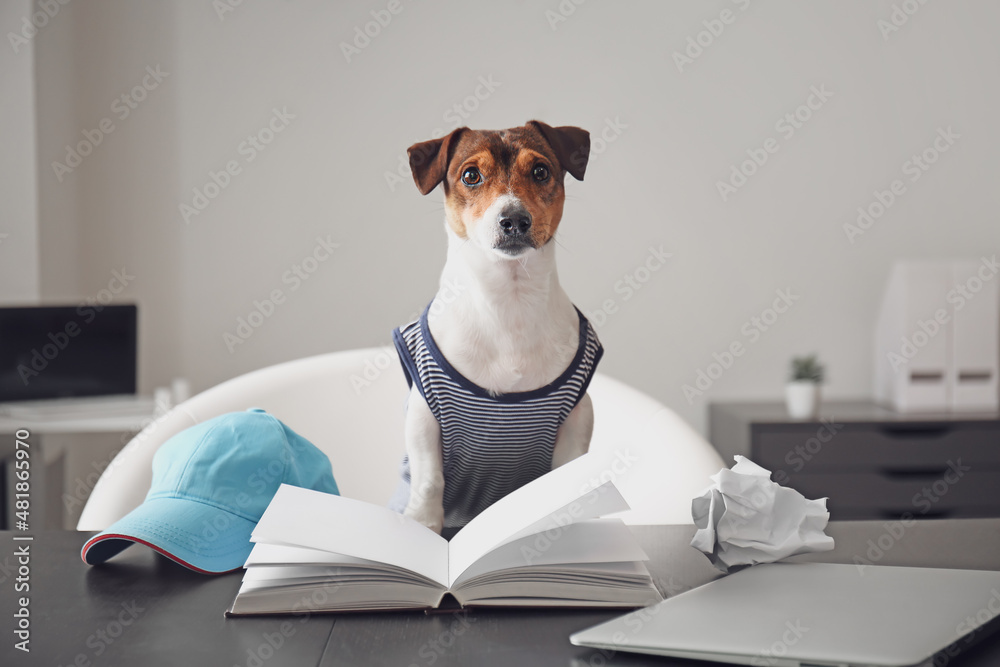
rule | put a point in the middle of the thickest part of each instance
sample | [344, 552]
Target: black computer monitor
[63, 351]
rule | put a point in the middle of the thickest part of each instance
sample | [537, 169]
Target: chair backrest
[351, 405]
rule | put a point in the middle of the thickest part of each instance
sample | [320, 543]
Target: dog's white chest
[506, 361]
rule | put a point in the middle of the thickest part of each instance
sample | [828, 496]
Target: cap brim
[200, 537]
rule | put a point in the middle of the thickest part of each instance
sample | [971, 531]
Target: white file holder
[937, 338]
[975, 353]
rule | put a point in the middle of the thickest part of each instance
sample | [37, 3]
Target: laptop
[812, 615]
[67, 353]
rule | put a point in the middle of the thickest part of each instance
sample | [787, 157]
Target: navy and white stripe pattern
[491, 444]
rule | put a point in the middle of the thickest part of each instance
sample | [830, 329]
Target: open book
[542, 545]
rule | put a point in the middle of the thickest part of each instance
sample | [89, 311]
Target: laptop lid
[63, 351]
[812, 614]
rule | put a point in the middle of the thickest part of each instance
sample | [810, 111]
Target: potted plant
[802, 390]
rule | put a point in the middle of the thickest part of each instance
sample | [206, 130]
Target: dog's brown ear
[571, 146]
[429, 160]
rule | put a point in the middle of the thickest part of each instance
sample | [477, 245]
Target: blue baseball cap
[211, 484]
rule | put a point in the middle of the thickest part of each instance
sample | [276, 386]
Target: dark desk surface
[142, 609]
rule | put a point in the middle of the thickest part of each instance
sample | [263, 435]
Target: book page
[274, 557]
[280, 554]
[304, 518]
[605, 499]
[590, 542]
[557, 498]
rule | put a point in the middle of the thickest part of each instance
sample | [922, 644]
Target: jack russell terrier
[499, 363]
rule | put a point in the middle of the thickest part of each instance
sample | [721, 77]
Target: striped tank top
[491, 445]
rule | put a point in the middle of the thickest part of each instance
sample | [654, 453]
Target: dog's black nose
[514, 220]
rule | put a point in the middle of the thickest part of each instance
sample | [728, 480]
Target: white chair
[351, 405]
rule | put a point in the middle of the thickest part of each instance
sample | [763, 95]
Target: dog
[499, 363]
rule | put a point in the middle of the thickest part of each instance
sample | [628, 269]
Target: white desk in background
[71, 441]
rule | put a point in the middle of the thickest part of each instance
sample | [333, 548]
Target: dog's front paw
[429, 515]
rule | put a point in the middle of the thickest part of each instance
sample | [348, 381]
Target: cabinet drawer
[889, 448]
[862, 495]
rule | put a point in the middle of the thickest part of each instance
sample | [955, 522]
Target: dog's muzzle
[514, 225]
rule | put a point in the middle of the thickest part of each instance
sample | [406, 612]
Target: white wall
[653, 185]
[107, 220]
[18, 185]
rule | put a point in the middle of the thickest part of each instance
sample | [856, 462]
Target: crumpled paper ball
[744, 519]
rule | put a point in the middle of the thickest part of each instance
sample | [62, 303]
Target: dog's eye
[471, 176]
[540, 173]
